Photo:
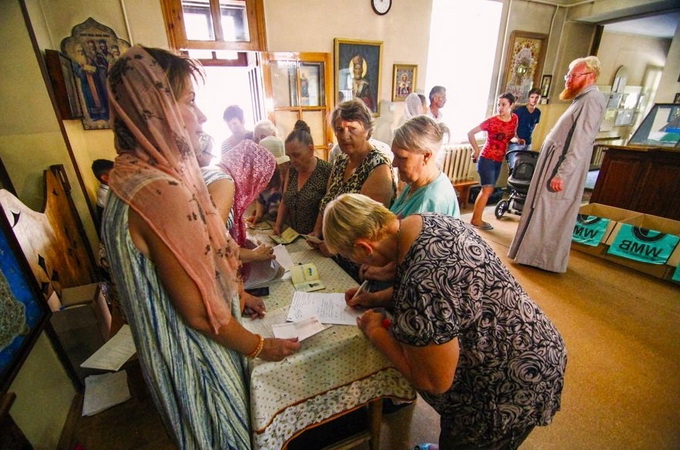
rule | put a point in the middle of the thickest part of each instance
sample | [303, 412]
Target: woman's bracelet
[258, 349]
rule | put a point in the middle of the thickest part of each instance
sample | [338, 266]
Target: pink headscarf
[251, 166]
[157, 174]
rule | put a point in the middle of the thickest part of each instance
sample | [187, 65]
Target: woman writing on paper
[463, 331]
[180, 294]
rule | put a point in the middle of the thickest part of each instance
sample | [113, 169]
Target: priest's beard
[568, 94]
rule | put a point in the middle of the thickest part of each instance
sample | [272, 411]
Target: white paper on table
[283, 257]
[113, 354]
[301, 329]
[264, 325]
[105, 391]
[329, 308]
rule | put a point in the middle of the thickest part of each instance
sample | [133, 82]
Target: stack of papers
[261, 273]
[283, 257]
[113, 354]
[329, 308]
[274, 325]
[105, 391]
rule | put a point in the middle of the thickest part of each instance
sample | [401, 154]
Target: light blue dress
[198, 386]
[437, 196]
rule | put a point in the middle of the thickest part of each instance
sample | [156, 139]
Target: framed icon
[403, 81]
[357, 71]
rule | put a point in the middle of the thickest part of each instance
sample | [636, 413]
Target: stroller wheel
[501, 208]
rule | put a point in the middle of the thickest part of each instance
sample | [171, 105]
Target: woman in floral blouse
[361, 168]
[459, 326]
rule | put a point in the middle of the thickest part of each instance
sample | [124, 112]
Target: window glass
[464, 70]
[234, 21]
[284, 83]
[315, 120]
[197, 20]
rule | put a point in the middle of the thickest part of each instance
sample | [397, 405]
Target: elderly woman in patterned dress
[462, 330]
[361, 168]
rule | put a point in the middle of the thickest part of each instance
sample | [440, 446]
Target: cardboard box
[664, 271]
[82, 324]
[615, 215]
[89, 294]
[620, 216]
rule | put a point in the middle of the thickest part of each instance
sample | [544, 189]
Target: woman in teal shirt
[428, 189]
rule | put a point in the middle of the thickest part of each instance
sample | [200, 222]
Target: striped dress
[198, 386]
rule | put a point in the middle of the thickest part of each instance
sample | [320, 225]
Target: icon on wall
[93, 48]
[525, 55]
[357, 71]
[403, 81]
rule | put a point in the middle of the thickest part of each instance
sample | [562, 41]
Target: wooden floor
[622, 387]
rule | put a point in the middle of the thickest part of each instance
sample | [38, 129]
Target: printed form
[329, 308]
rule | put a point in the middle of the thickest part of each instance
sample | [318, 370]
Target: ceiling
[659, 26]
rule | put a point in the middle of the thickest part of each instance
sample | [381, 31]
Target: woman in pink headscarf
[174, 266]
[238, 179]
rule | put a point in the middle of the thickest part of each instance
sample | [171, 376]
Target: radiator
[457, 162]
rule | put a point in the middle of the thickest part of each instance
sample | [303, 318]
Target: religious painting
[23, 310]
[357, 71]
[93, 48]
[403, 81]
[524, 63]
[546, 81]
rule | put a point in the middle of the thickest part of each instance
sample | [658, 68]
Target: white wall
[403, 31]
[669, 86]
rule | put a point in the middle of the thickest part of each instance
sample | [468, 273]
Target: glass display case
[660, 128]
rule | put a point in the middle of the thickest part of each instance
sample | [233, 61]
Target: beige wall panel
[633, 52]
[44, 395]
[403, 31]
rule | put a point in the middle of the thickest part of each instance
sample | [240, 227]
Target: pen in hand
[362, 288]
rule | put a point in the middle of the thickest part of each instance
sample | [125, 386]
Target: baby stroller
[522, 164]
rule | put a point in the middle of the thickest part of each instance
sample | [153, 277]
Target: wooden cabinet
[644, 179]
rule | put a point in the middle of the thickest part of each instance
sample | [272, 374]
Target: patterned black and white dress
[512, 359]
[338, 185]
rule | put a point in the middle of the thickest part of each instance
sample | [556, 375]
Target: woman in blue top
[428, 189]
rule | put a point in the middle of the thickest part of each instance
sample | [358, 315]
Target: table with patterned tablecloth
[335, 372]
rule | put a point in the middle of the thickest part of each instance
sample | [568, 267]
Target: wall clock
[381, 7]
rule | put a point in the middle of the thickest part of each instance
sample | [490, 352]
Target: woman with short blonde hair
[415, 146]
[461, 329]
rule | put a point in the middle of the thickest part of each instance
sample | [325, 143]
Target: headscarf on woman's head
[251, 166]
[412, 106]
[156, 173]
